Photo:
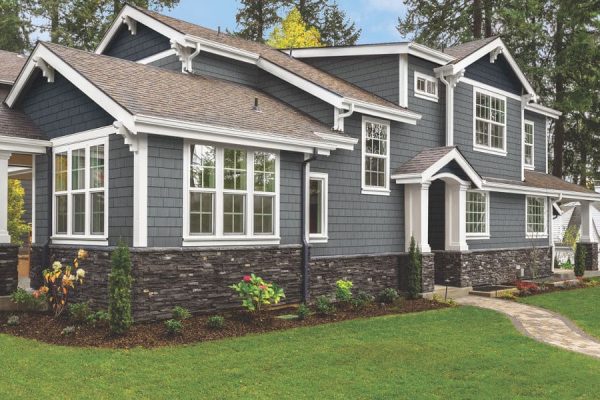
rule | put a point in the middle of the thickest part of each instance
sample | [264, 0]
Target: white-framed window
[80, 192]
[426, 86]
[375, 178]
[528, 141]
[318, 209]
[535, 219]
[231, 195]
[489, 121]
[478, 215]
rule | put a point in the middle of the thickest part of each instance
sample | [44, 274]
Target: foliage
[567, 264]
[28, 300]
[69, 330]
[303, 312]
[13, 320]
[343, 294]
[60, 281]
[119, 291]
[256, 293]
[336, 28]
[181, 314]
[98, 318]
[14, 30]
[442, 300]
[80, 312]
[215, 322]
[323, 306]
[571, 236]
[256, 18]
[174, 327]
[294, 32]
[388, 296]
[580, 260]
[507, 296]
[414, 270]
[362, 299]
[17, 228]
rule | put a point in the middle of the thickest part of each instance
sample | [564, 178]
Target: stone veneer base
[9, 276]
[591, 256]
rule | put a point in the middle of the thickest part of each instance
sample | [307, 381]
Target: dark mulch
[44, 328]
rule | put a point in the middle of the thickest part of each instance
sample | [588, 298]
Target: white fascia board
[23, 145]
[142, 18]
[83, 136]
[375, 110]
[342, 142]
[5, 82]
[546, 111]
[429, 54]
[454, 155]
[98, 96]
[218, 134]
[157, 56]
[222, 49]
[565, 194]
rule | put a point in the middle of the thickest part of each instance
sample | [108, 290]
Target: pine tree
[414, 270]
[336, 29]
[119, 291]
[580, 259]
[14, 29]
[294, 32]
[256, 17]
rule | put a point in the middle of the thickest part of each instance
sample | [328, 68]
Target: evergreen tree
[14, 29]
[17, 228]
[415, 285]
[119, 291]
[336, 29]
[580, 260]
[256, 18]
[294, 32]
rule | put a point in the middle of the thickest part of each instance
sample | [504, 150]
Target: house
[212, 157]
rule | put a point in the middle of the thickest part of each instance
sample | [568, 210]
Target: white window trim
[482, 148]
[532, 165]
[480, 235]
[323, 236]
[218, 238]
[87, 238]
[423, 94]
[374, 190]
[537, 235]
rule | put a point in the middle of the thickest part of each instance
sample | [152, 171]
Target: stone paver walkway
[542, 325]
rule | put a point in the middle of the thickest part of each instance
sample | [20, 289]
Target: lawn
[462, 353]
[580, 306]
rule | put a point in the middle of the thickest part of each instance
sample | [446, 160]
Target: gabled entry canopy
[437, 163]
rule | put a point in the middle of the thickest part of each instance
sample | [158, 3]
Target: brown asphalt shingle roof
[157, 92]
[10, 66]
[15, 123]
[423, 160]
[306, 71]
[464, 50]
[544, 181]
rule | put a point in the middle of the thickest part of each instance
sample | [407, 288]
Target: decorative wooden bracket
[495, 53]
[47, 70]
[129, 137]
[131, 24]
[454, 79]
[185, 54]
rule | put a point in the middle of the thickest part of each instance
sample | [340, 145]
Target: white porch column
[4, 236]
[416, 221]
[456, 214]
[587, 224]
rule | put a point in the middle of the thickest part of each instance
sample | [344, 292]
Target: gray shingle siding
[539, 140]
[499, 74]
[170, 62]
[60, 108]
[42, 188]
[220, 67]
[144, 43]
[507, 224]
[165, 191]
[290, 179]
[120, 194]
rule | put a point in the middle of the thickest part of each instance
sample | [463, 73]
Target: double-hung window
[231, 195]
[81, 191]
[478, 215]
[375, 156]
[528, 134]
[489, 121]
[317, 207]
[426, 87]
[536, 217]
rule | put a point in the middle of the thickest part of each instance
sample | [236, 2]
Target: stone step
[453, 292]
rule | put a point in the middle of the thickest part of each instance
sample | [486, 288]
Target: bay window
[489, 119]
[375, 156]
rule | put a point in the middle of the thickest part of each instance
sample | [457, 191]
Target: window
[536, 217]
[528, 144]
[477, 215]
[426, 87]
[231, 195]
[80, 189]
[375, 156]
[317, 207]
[489, 122]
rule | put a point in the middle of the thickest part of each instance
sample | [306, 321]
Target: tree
[256, 17]
[119, 291]
[336, 29]
[14, 29]
[415, 285]
[293, 32]
[580, 260]
[17, 228]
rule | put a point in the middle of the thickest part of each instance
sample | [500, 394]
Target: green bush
[414, 270]
[181, 314]
[580, 258]
[16, 226]
[97, 318]
[23, 298]
[13, 320]
[80, 312]
[324, 306]
[388, 296]
[174, 327]
[215, 322]
[119, 288]
[303, 312]
[256, 293]
[343, 294]
[362, 299]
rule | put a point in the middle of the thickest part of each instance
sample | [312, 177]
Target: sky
[376, 18]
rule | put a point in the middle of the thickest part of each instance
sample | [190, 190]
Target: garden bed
[45, 328]
[537, 287]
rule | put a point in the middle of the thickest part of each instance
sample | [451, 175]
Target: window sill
[214, 241]
[80, 240]
[529, 167]
[482, 236]
[489, 150]
[536, 236]
[318, 239]
[375, 191]
[427, 97]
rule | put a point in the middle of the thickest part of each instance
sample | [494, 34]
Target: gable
[146, 42]
[59, 108]
[453, 168]
[499, 74]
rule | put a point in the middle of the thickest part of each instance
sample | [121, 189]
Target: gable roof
[459, 52]
[139, 95]
[329, 88]
[10, 66]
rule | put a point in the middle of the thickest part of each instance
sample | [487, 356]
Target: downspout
[339, 117]
[303, 230]
[449, 111]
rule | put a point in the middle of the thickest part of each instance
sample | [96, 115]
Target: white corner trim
[157, 57]
[33, 199]
[140, 192]
[23, 145]
[403, 80]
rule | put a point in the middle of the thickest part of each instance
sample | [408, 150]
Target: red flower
[262, 287]
[247, 278]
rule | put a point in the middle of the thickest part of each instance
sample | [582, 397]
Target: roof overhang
[23, 145]
[546, 111]
[534, 191]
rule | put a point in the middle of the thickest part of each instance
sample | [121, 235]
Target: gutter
[303, 230]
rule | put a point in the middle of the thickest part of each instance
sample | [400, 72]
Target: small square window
[426, 87]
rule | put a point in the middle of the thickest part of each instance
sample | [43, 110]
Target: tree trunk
[477, 19]
[559, 87]
[54, 21]
[489, 17]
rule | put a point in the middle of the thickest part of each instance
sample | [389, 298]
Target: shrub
[362, 299]
[30, 300]
[303, 312]
[529, 286]
[68, 331]
[256, 293]
[80, 312]
[439, 299]
[567, 264]
[580, 258]
[173, 326]
[343, 294]
[60, 280]
[507, 296]
[388, 296]
[98, 318]
[215, 322]
[13, 320]
[119, 291]
[181, 314]
[324, 306]
[16, 226]
[414, 270]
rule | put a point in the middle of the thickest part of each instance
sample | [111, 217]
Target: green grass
[580, 306]
[462, 353]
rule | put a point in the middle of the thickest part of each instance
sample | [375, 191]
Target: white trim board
[23, 145]
[157, 57]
